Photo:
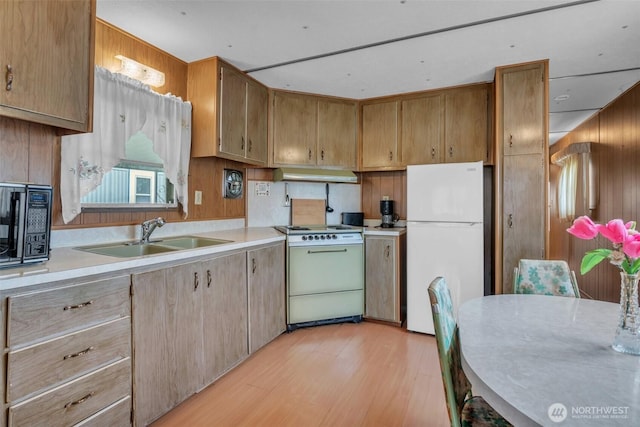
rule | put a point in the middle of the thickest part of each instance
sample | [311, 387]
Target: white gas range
[325, 274]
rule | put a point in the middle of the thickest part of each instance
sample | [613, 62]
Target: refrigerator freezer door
[451, 250]
[447, 192]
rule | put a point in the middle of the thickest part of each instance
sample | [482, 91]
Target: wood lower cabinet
[68, 354]
[224, 314]
[266, 284]
[53, 83]
[385, 278]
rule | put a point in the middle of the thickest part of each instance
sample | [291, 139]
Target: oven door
[320, 269]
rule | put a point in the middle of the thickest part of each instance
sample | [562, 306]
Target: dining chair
[545, 277]
[464, 408]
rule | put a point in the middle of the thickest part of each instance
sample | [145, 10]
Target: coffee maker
[389, 218]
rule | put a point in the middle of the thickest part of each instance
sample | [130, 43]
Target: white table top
[525, 353]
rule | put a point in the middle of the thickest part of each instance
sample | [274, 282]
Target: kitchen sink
[191, 242]
[124, 250]
[135, 249]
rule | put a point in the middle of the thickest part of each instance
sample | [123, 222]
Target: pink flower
[615, 230]
[583, 228]
[631, 246]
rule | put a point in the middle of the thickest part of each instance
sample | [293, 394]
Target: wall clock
[233, 184]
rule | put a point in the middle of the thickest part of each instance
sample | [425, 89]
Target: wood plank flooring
[365, 374]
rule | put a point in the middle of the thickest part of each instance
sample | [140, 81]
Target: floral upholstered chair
[545, 277]
[464, 408]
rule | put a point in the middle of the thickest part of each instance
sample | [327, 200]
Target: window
[577, 189]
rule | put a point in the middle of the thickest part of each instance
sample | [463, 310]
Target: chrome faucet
[148, 227]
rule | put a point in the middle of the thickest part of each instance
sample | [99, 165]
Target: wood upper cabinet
[230, 113]
[337, 143]
[53, 83]
[310, 130]
[466, 124]
[380, 136]
[295, 120]
[423, 130]
[524, 117]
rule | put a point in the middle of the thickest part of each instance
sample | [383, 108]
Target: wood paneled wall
[615, 134]
[375, 185]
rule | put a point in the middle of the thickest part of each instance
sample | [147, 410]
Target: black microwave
[25, 223]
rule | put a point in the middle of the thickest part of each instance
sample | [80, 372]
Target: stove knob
[334, 237]
[322, 237]
[304, 237]
[317, 237]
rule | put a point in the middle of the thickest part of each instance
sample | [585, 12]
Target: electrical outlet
[198, 198]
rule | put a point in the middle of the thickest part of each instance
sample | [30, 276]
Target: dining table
[548, 360]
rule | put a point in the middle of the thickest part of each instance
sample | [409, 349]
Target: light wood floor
[364, 374]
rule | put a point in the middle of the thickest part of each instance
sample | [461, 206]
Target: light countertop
[66, 263]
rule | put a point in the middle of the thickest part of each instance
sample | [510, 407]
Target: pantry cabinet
[53, 84]
[230, 113]
[522, 165]
[68, 354]
[310, 130]
[380, 144]
[385, 277]
[266, 287]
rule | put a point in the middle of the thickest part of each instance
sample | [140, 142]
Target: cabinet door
[294, 129]
[337, 142]
[524, 111]
[422, 130]
[266, 295]
[466, 125]
[257, 118]
[51, 84]
[380, 278]
[167, 339]
[224, 314]
[233, 112]
[523, 226]
[380, 135]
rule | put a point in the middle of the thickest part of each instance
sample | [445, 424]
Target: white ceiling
[369, 48]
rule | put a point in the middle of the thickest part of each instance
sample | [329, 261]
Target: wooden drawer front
[116, 415]
[48, 364]
[77, 400]
[39, 315]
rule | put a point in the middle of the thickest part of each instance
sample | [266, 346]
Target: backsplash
[265, 210]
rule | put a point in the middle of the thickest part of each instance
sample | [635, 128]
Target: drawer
[52, 362]
[116, 415]
[76, 400]
[39, 315]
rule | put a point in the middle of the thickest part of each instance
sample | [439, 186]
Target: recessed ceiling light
[305, 27]
[183, 13]
[512, 46]
[561, 98]
[229, 45]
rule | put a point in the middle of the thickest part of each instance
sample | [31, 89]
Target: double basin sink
[154, 247]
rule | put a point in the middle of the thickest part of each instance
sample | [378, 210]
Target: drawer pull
[73, 307]
[208, 278]
[80, 353]
[79, 401]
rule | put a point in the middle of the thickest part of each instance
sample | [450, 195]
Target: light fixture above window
[141, 72]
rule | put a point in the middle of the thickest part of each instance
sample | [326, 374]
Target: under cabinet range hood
[314, 175]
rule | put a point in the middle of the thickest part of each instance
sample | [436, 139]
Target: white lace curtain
[122, 107]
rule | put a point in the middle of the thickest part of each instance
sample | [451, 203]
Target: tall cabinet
[521, 168]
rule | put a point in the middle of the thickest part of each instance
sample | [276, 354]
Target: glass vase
[627, 339]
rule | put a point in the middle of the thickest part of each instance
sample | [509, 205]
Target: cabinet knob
[322, 154]
[196, 281]
[250, 145]
[9, 77]
[309, 153]
[242, 143]
[433, 152]
[209, 278]
[510, 221]
[387, 251]
[390, 155]
[510, 140]
[253, 265]
[451, 151]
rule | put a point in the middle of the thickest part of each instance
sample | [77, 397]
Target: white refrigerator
[444, 236]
